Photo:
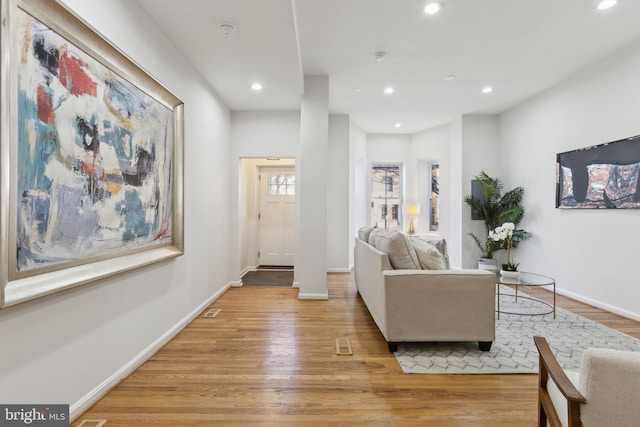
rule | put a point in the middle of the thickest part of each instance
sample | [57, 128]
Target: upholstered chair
[606, 391]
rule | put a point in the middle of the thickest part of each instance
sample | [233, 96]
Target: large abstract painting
[96, 145]
[602, 176]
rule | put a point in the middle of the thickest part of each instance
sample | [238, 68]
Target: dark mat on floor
[268, 278]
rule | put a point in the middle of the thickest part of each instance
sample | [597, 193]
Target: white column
[311, 175]
[339, 240]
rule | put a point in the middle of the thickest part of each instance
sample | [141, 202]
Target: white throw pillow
[397, 246]
[364, 232]
[441, 245]
[429, 256]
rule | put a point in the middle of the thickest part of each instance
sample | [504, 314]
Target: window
[434, 197]
[386, 196]
[282, 185]
[388, 184]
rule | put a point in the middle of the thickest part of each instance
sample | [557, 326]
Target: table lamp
[411, 209]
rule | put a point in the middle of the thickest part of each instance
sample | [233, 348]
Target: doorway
[276, 216]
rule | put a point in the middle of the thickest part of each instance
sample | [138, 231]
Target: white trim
[295, 284]
[248, 269]
[82, 405]
[235, 283]
[338, 270]
[610, 308]
[313, 296]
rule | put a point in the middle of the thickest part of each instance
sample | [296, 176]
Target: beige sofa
[415, 305]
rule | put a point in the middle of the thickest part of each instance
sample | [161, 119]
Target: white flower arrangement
[504, 234]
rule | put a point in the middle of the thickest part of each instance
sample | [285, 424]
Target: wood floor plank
[269, 359]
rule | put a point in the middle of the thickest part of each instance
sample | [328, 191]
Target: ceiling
[519, 47]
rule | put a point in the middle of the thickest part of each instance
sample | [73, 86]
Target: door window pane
[282, 185]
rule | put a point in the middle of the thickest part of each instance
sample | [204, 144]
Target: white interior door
[277, 216]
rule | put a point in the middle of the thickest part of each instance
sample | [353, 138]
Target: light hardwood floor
[269, 359]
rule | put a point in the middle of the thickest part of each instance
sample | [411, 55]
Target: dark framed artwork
[476, 193]
[91, 167]
[605, 176]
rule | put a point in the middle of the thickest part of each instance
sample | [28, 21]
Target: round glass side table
[531, 280]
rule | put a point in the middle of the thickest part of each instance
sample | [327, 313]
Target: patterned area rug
[513, 351]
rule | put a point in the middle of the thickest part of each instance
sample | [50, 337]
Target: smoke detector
[227, 28]
[380, 56]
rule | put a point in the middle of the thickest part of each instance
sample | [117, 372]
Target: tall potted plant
[495, 209]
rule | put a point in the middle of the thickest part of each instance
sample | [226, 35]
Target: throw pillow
[441, 245]
[429, 256]
[398, 248]
[363, 233]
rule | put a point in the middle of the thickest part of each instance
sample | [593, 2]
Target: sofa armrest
[369, 265]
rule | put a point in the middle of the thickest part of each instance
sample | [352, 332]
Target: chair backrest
[610, 382]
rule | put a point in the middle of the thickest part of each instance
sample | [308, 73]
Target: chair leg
[542, 416]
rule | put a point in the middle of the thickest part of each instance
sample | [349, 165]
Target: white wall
[591, 253]
[359, 198]
[338, 234]
[429, 146]
[480, 139]
[69, 347]
[254, 134]
[261, 134]
[265, 133]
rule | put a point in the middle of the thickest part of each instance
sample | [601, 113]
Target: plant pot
[510, 274]
[487, 264]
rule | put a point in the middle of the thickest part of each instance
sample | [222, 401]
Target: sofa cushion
[441, 245]
[363, 233]
[429, 256]
[397, 246]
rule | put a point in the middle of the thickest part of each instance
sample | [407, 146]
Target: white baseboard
[248, 269]
[79, 407]
[235, 283]
[295, 284]
[338, 270]
[610, 308]
[313, 296]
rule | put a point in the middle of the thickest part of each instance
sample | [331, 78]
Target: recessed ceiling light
[606, 4]
[432, 8]
[398, 125]
[357, 89]
[256, 86]
[389, 90]
[450, 77]
[487, 89]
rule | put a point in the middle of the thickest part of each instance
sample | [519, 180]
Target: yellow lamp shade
[411, 208]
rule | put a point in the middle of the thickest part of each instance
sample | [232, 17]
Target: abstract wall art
[91, 157]
[603, 176]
